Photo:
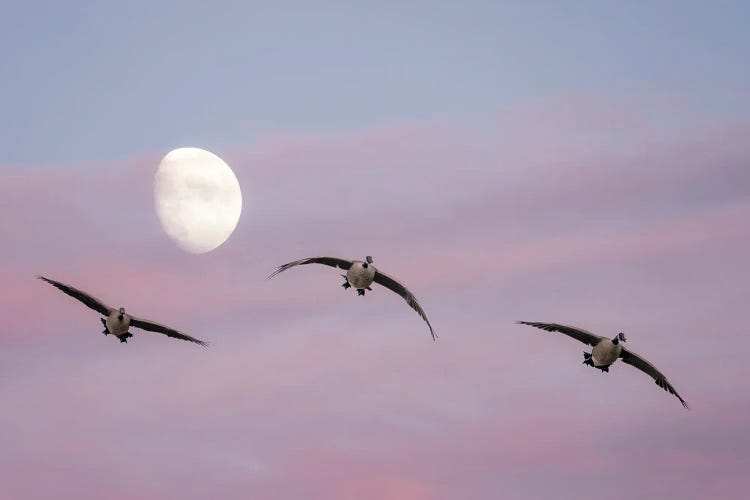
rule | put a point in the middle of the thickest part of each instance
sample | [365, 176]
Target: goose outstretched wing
[88, 300]
[646, 367]
[577, 333]
[394, 285]
[328, 261]
[150, 326]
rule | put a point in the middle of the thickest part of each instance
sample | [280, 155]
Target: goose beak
[369, 259]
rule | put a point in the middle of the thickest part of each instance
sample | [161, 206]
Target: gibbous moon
[198, 199]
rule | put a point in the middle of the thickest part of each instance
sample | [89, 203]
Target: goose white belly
[605, 353]
[359, 276]
[117, 326]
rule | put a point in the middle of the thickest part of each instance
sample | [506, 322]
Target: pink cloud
[591, 214]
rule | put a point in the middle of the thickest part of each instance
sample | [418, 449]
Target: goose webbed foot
[346, 284]
[587, 359]
[361, 292]
[604, 369]
[105, 331]
[124, 337]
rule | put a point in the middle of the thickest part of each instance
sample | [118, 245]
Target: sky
[585, 165]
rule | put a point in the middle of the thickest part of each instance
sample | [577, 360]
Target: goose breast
[360, 276]
[116, 325]
[605, 353]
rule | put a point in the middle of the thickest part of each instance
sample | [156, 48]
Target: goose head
[367, 262]
[122, 313]
[620, 337]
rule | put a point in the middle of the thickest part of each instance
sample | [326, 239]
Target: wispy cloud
[591, 213]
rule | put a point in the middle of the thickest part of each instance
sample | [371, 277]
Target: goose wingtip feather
[432, 332]
[274, 273]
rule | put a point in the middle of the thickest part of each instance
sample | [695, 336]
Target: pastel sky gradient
[587, 165]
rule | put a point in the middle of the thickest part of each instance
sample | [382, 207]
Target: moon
[198, 199]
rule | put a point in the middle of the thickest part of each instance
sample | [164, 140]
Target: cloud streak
[586, 213]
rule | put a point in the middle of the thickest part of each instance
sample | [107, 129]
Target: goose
[360, 274]
[117, 321]
[606, 351]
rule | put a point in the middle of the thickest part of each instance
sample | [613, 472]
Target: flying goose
[606, 352]
[118, 322]
[360, 275]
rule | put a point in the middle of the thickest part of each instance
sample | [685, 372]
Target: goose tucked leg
[346, 284]
[587, 359]
[124, 337]
[106, 330]
[361, 291]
